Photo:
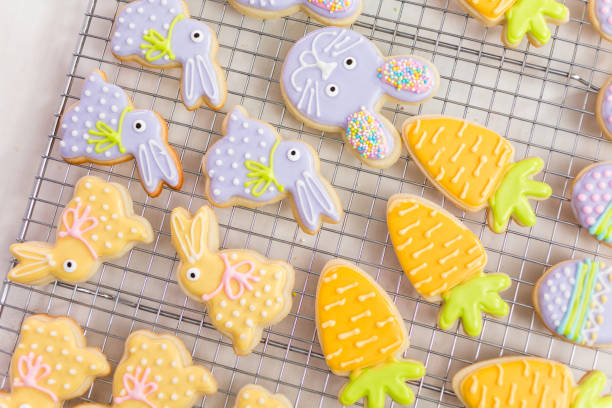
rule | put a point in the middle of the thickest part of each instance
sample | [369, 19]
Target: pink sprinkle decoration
[595, 197]
[599, 209]
[31, 370]
[601, 184]
[137, 388]
[607, 173]
[596, 175]
[590, 221]
[587, 209]
[365, 133]
[230, 274]
[582, 197]
[607, 197]
[331, 5]
[589, 187]
[406, 74]
[80, 224]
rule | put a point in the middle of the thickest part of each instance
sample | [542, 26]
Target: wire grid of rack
[542, 100]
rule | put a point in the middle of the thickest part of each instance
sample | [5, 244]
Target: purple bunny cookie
[105, 128]
[253, 166]
[160, 34]
[329, 12]
[592, 200]
[336, 80]
[572, 297]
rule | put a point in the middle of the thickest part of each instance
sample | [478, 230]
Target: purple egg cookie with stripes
[600, 12]
[592, 200]
[603, 108]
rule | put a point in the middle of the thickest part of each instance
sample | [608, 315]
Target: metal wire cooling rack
[540, 99]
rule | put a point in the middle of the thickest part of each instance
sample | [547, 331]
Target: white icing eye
[193, 274]
[197, 36]
[139, 126]
[350, 63]
[332, 90]
[293, 154]
[70, 265]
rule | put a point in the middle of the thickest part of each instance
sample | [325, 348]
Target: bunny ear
[201, 81]
[157, 164]
[409, 79]
[314, 201]
[373, 138]
[35, 262]
[194, 237]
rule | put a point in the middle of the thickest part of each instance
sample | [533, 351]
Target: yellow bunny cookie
[254, 396]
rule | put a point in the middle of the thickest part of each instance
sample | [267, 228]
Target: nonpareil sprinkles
[331, 5]
[364, 132]
[406, 74]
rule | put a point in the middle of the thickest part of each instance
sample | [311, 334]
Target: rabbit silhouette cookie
[51, 364]
[244, 291]
[98, 224]
[156, 371]
[329, 12]
[254, 396]
[336, 80]
[105, 128]
[253, 166]
[160, 34]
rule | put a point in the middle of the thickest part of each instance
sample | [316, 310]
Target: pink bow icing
[31, 370]
[231, 273]
[78, 226]
[137, 388]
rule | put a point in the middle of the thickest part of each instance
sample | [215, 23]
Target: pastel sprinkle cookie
[444, 261]
[572, 299]
[329, 12]
[244, 291]
[600, 12]
[603, 110]
[363, 337]
[530, 382]
[252, 165]
[319, 84]
[97, 225]
[254, 396]
[51, 364]
[592, 200]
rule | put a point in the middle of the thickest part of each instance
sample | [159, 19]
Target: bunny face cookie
[253, 166]
[98, 224]
[251, 396]
[244, 291]
[336, 80]
[51, 364]
[160, 34]
[105, 128]
[329, 12]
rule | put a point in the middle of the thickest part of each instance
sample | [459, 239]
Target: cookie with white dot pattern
[254, 396]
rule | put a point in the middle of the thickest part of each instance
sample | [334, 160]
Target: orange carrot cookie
[156, 371]
[51, 364]
[473, 167]
[244, 291]
[529, 382]
[444, 261]
[97, 225]
[254, 396]
[363, 336]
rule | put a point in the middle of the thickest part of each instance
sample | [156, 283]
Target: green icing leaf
[468, 300]
[510, 199]
[587, 395]
[531, 17]
[376, 382]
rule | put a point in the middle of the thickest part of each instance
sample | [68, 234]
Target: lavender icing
[603, 11]
[592, 199]
[328, 9]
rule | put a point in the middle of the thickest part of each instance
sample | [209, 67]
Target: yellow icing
[490, 9]
[254, 396]
[358, 323]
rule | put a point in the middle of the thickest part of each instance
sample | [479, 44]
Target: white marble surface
[39, 39]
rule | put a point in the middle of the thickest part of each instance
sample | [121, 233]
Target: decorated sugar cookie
[444, 261]
[330, 12]
[522, 18]
[51, 364]
[530, 382]
[253, 166]
[336, 80]
[473, 167]
[105, 128]
[603, 109]
[244, 291]
[156, 371]
[254, 396]
[592, 200]
[600, 12]
[97, 225]
[363, 337]
[572, 298]
[160, 34]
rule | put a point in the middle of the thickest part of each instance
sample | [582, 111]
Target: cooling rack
[542, 100]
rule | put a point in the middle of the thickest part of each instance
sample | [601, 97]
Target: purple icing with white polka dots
[603, 10]
[329, 9]
[606, 107]
[592, 194]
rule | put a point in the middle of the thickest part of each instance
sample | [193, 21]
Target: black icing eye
[197, 36]
[331, 90]
[139, 126]
[70, 266]
[193, 274]
[350, 63]
[293, 154]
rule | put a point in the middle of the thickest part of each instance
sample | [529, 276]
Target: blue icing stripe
[601, 228]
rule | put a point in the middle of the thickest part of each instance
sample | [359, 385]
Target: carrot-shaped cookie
[528, 382]
[473, 167]
[254, 396]
[244, 291]
[444, 261]
[363, 336]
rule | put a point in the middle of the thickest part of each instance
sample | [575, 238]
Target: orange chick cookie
[254, 396]
[244, 291]
[51, 364]
[156, 371]
[473, 167]
[528, 382]
[444, 261]
[97, 225]
[363, 336]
